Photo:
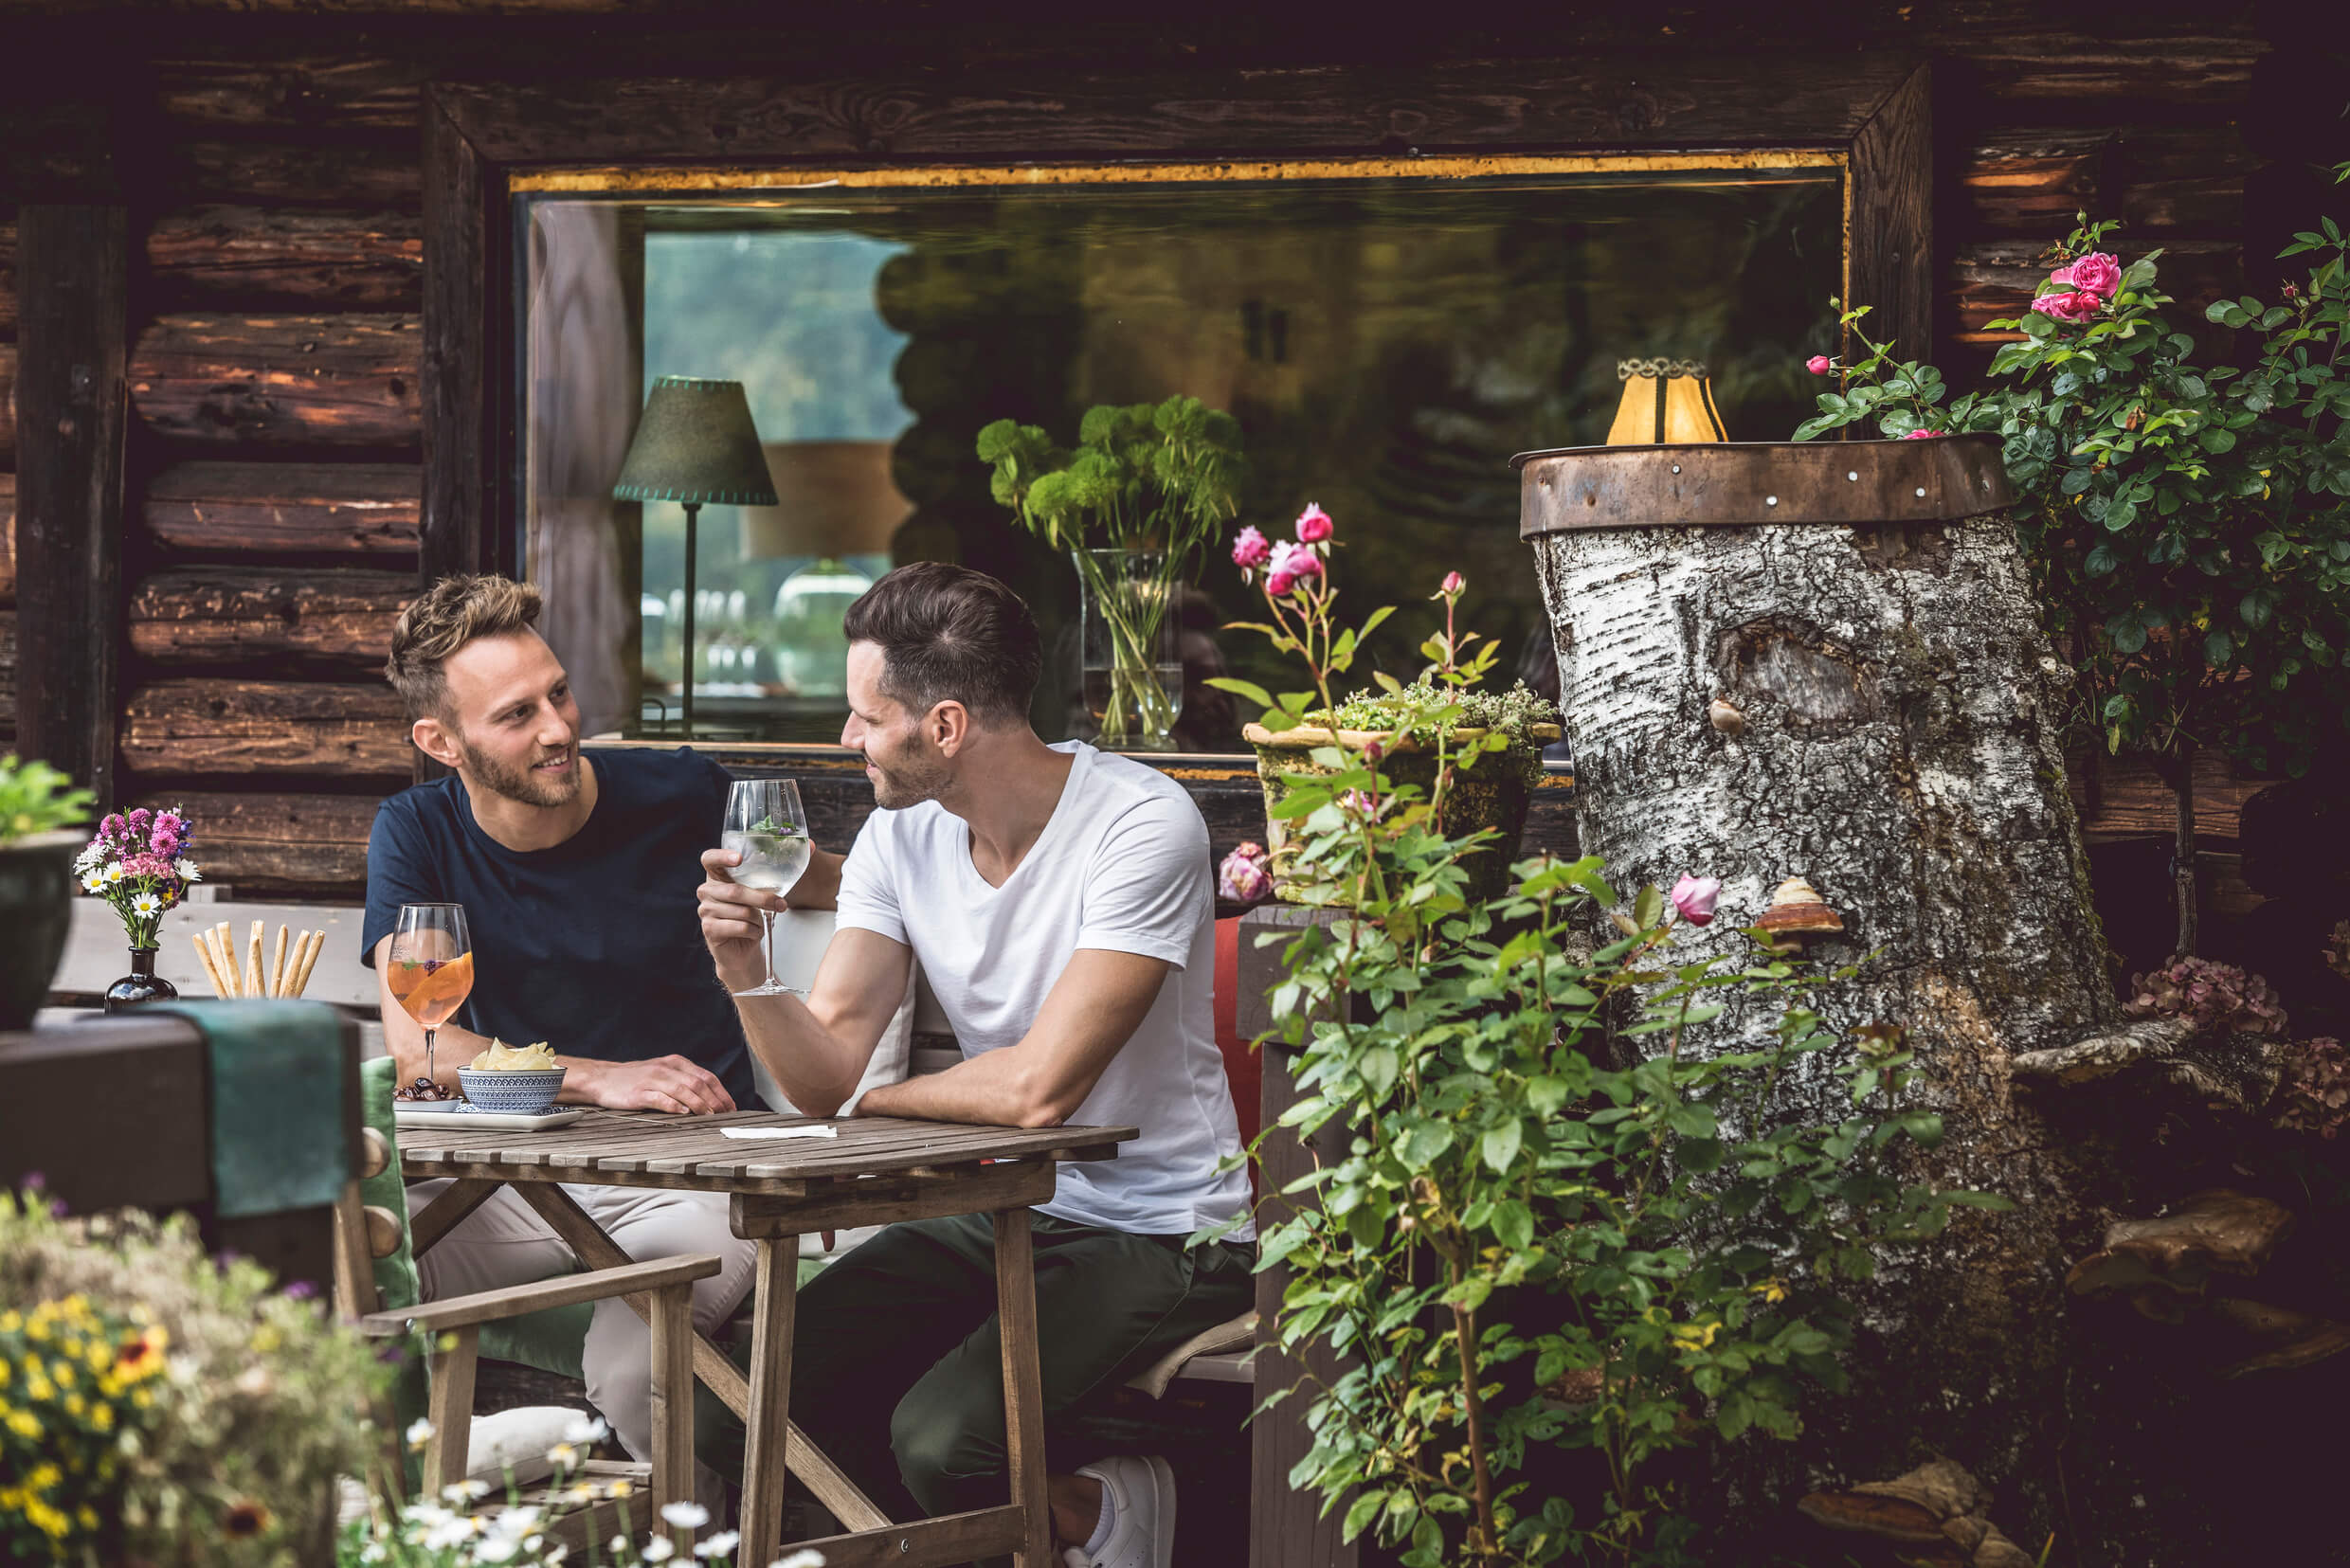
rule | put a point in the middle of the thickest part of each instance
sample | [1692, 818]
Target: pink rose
[1281, 583]
[1819, 365]
[1296, 559]
[2078, 305]
[1245, 876]
[1454, 582]
[1694, 898]
[1923, 435]
[1313, 526]
[2096, 273]
[1250, 550]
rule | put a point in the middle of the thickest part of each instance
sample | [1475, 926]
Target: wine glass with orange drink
[430, 975]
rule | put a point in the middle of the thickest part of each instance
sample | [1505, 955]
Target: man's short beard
[527, 786]
[913, 779]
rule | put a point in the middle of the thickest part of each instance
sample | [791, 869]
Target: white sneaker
[1141, 1490]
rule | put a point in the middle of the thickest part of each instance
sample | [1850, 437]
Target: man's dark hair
[950, 634]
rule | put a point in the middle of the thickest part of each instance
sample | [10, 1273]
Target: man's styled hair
[453, 612]
[950, 634]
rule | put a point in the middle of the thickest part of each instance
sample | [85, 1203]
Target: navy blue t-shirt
[594, 945]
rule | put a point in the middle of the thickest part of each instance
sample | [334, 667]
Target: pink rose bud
[1249, 550]
[1313, 526]
[2076, 306]
[1694, 898]
[1819, 365]
[1302, 561]
[2097, 273]
[1923, 435]
[1244, 876]
[1454, 582]
[1281, 583]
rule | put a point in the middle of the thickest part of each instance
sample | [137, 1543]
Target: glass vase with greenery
[2188, 522]
[1146, 488]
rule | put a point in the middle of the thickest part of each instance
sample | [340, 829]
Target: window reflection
[1385, 344]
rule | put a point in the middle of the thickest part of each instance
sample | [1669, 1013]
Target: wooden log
[241, 727]
[280, 380]
[8, 538]
[8, 280]
[8, 403]
[2031, 181]
[291, 508]
[302, 173]
[2182, 180]
[336, 92]
[2053, 66]
[223, 615]
[2125, 795]
[275, 840]
[244, 258]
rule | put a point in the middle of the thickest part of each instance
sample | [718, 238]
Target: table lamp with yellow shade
[1666, 401]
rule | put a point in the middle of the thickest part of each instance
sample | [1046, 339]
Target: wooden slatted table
[878, 1170]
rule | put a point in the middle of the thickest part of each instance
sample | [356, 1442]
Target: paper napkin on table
[781, 1132]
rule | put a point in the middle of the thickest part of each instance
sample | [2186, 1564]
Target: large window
[1387, 336]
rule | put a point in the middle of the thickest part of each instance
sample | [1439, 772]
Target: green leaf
[1501, 1145]
[1365, 1510]
[1648, 907]
[2218, 650]
[1239, 688]
[2257, 607]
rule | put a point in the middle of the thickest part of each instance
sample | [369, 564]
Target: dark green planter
[36, 911]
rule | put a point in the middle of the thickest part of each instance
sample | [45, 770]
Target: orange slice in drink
[431, 988]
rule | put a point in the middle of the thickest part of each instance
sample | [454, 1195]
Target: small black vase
[141, 984]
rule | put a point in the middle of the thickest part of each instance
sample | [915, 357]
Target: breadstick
[224, 972]
[314, 942]
[276, 964]
[203, 957]
[253, 962]
[225, 949]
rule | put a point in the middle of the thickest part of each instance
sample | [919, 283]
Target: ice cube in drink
[771, 861]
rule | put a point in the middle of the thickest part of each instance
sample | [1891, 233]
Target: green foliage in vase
[1162, 477]
[1555, 1216]
[36, 797]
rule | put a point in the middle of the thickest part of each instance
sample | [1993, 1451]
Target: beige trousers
[504, 1242]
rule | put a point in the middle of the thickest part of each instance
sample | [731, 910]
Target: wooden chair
[364, 1234]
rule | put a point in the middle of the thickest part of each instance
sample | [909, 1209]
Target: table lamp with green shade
[697, 446]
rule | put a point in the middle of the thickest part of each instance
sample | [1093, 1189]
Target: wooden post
[774, 1289]
[72, 267]
[1023, 1385]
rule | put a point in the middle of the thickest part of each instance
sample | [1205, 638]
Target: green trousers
[896, 1368]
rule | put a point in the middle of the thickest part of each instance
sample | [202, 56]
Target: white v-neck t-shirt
[1123, 866]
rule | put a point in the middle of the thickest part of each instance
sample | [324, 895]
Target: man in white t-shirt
[1060, 902]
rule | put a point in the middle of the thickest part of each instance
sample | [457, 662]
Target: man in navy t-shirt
[578, 873]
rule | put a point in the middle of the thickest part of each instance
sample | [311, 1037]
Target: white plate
[445, 1112]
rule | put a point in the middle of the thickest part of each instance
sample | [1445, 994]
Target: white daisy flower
[720, 1544]
[420, 1433]
[496, 1549]
[586, 1430]
[94, 883]
[465, 1490]
[807, 1557]
[114, 872]
[146, 904]
[563, 1456]
[686, 1516]
[659, 1549]
[617, 1544]
[186, 871]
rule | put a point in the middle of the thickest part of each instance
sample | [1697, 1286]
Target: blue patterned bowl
[514, 1094]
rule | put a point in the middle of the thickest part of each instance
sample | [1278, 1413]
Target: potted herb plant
[39, 806]
[1474, 757]
[2188, 523]
[1146, 488]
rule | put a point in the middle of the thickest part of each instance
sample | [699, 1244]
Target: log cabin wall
[273, 481]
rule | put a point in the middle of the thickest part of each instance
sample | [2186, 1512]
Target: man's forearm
[815, 1069]
[993, 1089]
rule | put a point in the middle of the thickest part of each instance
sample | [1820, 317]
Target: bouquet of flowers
[139, 864]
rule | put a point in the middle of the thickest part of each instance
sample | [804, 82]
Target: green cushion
[280, 1096]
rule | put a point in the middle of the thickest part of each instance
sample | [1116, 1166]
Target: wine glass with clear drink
[431, 969]
[768, 827]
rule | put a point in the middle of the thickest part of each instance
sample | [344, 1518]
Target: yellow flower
[1772, 1289]
[102, 1417]
[74, 1406]
[25, 1425]
[64, 1372]
[266, 1338]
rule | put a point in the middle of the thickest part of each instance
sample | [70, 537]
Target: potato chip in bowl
[501, 1057]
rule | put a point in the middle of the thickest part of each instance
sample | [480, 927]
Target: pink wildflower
[1694, 896]
[1250, 550]
[1314, 525]
[1819, 365]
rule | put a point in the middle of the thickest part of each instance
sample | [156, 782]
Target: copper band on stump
[1744, 482]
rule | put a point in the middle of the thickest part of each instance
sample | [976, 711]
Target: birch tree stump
[1826, 661]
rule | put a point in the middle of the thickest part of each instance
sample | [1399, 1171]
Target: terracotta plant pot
[1493, 794]
[36, 911]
